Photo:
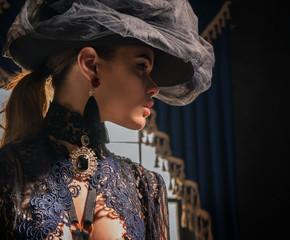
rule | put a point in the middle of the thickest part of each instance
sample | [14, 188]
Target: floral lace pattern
[49, 207]
[117, 196]
[40, 172]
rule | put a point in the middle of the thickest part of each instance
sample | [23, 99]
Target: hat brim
[183, 60]
[31, 53]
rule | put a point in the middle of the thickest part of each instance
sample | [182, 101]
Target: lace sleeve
[155, 204]
[161, 204]
[7, 196]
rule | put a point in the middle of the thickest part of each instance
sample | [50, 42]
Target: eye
[142, 66]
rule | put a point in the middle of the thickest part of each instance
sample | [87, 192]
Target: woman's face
[126, 88]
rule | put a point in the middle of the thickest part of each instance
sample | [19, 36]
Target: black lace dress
[37, 186]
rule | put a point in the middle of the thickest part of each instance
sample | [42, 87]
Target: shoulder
[151, 179]
[10, 159]
[9, 194]
[7, 160]
[8, 170]
[139, 170]
[4, 151]
[143, 177]
[22, 160]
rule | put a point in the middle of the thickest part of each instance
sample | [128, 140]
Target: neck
[64, 125]
[73, 93]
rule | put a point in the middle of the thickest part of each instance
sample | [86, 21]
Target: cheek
[127, 112]
[134, 120]
[127, 92]
[126, 106]
[123, 97]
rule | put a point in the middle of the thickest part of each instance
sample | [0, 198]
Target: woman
[103, 61]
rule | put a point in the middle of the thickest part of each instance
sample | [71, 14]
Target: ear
[88, 61]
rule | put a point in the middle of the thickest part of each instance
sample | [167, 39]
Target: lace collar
[64, 125]
[123, 185]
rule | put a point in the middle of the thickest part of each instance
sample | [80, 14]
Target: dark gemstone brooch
[84, 160]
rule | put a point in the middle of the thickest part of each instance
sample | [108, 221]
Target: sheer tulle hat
[183, 60]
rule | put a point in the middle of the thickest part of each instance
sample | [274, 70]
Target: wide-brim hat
[183, 60]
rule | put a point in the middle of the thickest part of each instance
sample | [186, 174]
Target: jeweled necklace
[84, 160]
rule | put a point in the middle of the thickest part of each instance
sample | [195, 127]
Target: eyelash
[142, 66]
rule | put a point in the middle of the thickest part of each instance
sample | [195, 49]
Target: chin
[135, 125]
[133, 122]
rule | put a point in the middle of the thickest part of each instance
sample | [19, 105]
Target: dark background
[260, 66]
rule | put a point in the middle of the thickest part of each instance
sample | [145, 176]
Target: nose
[152, 88]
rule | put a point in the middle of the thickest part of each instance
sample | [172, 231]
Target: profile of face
[125, 93]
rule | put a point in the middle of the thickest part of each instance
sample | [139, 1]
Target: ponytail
[29, 100]
[26, 107]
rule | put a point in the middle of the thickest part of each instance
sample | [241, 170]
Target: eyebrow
[145, 56]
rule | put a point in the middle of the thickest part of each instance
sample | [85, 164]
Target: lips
[150, 104]
[147, 108]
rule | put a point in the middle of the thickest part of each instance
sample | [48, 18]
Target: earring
[84, 158]
[91, 118]
[95, 82]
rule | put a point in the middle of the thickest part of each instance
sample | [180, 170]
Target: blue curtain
[202, 134]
